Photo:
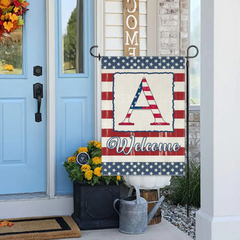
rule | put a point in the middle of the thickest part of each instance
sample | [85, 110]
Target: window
[11, 53]
[72, 36]
[195, 28]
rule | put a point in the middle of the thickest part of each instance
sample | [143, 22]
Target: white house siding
[114, 27]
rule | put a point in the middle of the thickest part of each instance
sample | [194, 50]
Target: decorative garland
[11, 16]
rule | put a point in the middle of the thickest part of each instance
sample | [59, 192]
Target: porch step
[23, 196]
[163, 230]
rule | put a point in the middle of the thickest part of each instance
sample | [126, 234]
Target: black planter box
[93, 205]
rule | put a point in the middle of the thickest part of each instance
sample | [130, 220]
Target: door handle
[38, 94]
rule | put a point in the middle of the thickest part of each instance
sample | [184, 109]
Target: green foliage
[11, 55]
[74, 172]
[70, 40]
[176, 193]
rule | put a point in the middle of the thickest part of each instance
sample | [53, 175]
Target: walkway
[163, 231]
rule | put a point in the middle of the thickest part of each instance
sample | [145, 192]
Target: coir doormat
[41, 228]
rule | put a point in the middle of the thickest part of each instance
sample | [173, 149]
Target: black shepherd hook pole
[99, 56]
[187, 119]
[187, 108]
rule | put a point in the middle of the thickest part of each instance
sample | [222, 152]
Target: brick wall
[194, 136]
[173, 40]
[173, 27]
[183, 26]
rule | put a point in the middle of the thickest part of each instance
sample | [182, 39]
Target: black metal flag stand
[187, 111]
[187, 119]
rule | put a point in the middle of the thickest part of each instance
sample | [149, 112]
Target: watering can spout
[151, 214]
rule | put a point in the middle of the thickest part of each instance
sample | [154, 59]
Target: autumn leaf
[8, 26]
[13, 17]
[4, 223]
[16, 9]
[20, 21]
[25, 4]
[17, 3]
[4, 3]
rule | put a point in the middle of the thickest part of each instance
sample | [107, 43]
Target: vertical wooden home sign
[131, 27]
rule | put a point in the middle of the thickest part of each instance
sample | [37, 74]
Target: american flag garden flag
[143, 115]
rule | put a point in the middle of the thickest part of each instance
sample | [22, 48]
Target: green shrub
[176, 192]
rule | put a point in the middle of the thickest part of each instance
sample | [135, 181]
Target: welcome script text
[121, 145]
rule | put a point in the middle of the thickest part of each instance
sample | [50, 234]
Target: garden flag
[143, 115]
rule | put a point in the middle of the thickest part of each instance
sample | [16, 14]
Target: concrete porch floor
[164, 231]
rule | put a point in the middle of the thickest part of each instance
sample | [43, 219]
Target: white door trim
[153, 28]
[99, 39]
[51, 76]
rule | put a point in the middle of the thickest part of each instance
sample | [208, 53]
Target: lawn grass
[16, 71]
[70, 71]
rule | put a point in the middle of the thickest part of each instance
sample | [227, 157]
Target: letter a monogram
[152, 105]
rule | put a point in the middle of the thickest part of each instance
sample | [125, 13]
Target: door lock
[37, 71]
[38, 94]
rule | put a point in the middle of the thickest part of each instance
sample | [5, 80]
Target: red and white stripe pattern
[152, 104]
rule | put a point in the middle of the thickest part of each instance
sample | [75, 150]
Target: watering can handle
[137, 192]
[114, 205]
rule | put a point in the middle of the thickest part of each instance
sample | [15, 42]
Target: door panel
[74, 83]
[13, 131]
[22, 140]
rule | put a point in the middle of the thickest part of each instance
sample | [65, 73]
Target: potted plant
[93, 193]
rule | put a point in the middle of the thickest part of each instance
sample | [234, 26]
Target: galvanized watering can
[133, 213]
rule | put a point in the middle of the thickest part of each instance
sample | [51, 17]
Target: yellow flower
[85, 168]
[91, 142]
[4, 4]
[72, 159]
[118, 178]
[97, 171]
[13, 17]
[10, 67]
[97, 144]
[82, 149]
[88, 174]
[8, 25]
[5, 66]
[97, 160]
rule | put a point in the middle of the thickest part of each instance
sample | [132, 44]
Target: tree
[70, 40]
[11, 54]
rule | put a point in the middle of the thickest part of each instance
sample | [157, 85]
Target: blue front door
[22, 139]
[74, 83]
